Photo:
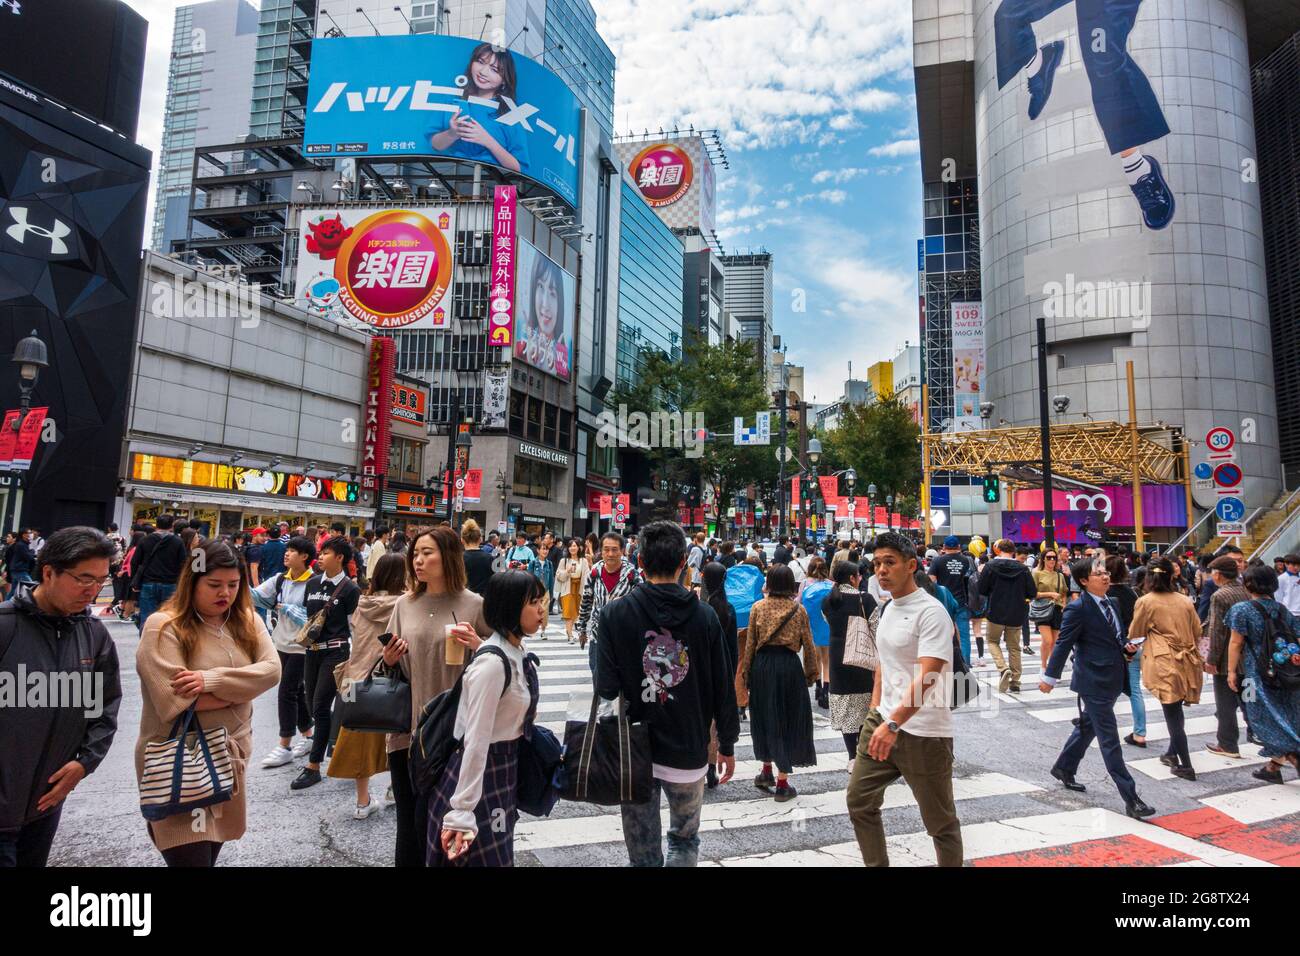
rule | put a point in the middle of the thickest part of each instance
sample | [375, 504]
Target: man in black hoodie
[662, 649]
[59, 692]
[1009, 587]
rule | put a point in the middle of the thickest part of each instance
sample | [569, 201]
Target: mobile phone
[385, 638]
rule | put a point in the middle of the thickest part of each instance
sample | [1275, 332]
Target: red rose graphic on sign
[394, 269]
[663, 173]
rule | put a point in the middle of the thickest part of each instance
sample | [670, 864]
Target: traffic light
[992, 489]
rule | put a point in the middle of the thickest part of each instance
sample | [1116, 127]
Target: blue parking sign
[1230, 509]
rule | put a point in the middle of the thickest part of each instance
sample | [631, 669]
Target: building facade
[748, 297]
[209, 84]
[243, 410]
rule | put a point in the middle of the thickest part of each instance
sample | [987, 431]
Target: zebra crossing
[1012, 815]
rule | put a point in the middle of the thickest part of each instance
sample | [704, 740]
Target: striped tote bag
[179, 778]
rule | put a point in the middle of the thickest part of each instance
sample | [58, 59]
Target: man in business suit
[1091, 629]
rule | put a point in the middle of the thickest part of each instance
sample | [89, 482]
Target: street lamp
[30, 355]
[814, 456]
[889, 511]
[851, 479]
[871, 507]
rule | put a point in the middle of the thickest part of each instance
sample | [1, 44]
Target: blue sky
[814, 103]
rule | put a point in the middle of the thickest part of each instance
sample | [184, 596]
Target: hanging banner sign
[501, 295]
[379, 400]
[8, 438]
[29, 433]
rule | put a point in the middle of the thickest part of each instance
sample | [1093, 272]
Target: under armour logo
[14, 6]
[21, 227]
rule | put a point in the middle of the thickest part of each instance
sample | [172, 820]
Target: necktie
[1110, 617]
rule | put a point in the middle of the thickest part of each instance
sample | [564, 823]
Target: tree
[882, 444]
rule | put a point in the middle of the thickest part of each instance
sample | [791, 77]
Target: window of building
[532, 479]
[517, 400]
[534, 430]
[406, 461]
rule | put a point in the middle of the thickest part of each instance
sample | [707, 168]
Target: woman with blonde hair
[438, 614]
[207, 649]
[359, 755]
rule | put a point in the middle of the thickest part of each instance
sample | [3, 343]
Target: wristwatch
[893, 726]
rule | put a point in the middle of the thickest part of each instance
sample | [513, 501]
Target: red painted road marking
[1125, 850]
[1271, 841]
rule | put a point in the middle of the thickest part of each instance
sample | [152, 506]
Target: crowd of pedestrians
[875, 635]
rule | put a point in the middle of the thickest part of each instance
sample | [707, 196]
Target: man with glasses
[1091, 629]
[52, 742]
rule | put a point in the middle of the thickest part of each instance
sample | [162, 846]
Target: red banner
[605, 505]
[28, 435]
[379, 403]
[699, 517]
[8, 438]
[501, 295]
[473, 492]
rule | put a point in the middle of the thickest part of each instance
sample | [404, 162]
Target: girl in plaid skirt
[472, 812]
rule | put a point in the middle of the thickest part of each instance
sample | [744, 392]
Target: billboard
[1083, 528]
[544, 310]
[967, 364]
[431, 95]
[223, 477]
[675, 178]
[379, 401]
[390, 269]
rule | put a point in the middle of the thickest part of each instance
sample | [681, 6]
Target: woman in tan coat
[1165, 624]
[204, 648]
[359, 755]
[780, 712]
[570, 574]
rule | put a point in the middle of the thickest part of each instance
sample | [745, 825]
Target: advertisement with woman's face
[443, 96]
[544, 309]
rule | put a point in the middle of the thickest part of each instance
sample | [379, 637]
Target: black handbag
[606, 762]
[965, 685]
[379, 704]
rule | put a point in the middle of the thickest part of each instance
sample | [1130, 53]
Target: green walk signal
[992, 489]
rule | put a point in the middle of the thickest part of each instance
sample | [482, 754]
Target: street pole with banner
[18, 444]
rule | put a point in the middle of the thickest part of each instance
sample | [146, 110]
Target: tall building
[282, 66]
[880, 376]
[649, 288]
[748, 297]
[209, 84]
[703, 318]
[907, 378]
[1062, 234]
[1275, 82]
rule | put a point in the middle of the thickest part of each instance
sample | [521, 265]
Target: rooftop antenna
[486, 18]
[511, 44]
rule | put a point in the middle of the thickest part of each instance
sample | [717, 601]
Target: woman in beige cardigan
[1165, 623]
[569, 575]
[207, 648]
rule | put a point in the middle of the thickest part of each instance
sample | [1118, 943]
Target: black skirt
[780, 713]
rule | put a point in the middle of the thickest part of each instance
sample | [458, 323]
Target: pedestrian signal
[992, 489]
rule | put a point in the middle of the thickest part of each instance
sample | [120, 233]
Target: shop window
[534, 430]
[532, 479]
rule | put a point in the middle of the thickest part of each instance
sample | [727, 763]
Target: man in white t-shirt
[908, 731]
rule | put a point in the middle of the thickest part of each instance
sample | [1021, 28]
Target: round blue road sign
[1203, 470]
[1230, 509]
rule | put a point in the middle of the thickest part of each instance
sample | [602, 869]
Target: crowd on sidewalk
[687, 640]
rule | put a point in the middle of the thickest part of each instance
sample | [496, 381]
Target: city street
[1013, 813]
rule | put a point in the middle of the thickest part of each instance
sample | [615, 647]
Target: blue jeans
[152, 597]
[1122, 98]
[641, 826]
[1135, 697]
[591, 657]
[963, 631]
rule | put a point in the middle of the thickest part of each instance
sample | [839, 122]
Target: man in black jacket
[329, 590]
[63, 665]
[1009, 587]
[155, 569]
[662, 650]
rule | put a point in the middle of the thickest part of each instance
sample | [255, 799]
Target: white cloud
[762, 72]
[900, 147]
[839, 175]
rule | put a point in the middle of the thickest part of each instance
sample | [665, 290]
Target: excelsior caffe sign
[551, 456]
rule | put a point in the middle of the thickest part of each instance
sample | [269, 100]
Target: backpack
[1278, 639]
[974, 602]
[435, 739]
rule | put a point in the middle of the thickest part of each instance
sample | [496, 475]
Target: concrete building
[748, 297]
[880, 377]
[907, 378]
[1062, 234]
[209, 84]
[217, 373]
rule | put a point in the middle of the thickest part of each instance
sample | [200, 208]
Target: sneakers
[765, 782]
[1040, 84]
[1155, 197]
[711, 778]
[1004, 681]
[308, 778]
[788, 792]
[301, 747]
[1216, 749]
[278, 757]
[1183, 773]
[360, 813]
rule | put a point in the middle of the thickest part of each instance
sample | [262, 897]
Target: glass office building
[649, 288]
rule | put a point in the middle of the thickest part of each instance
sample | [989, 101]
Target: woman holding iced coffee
[435, 626]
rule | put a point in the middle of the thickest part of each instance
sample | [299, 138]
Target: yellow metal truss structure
[1093, 452]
